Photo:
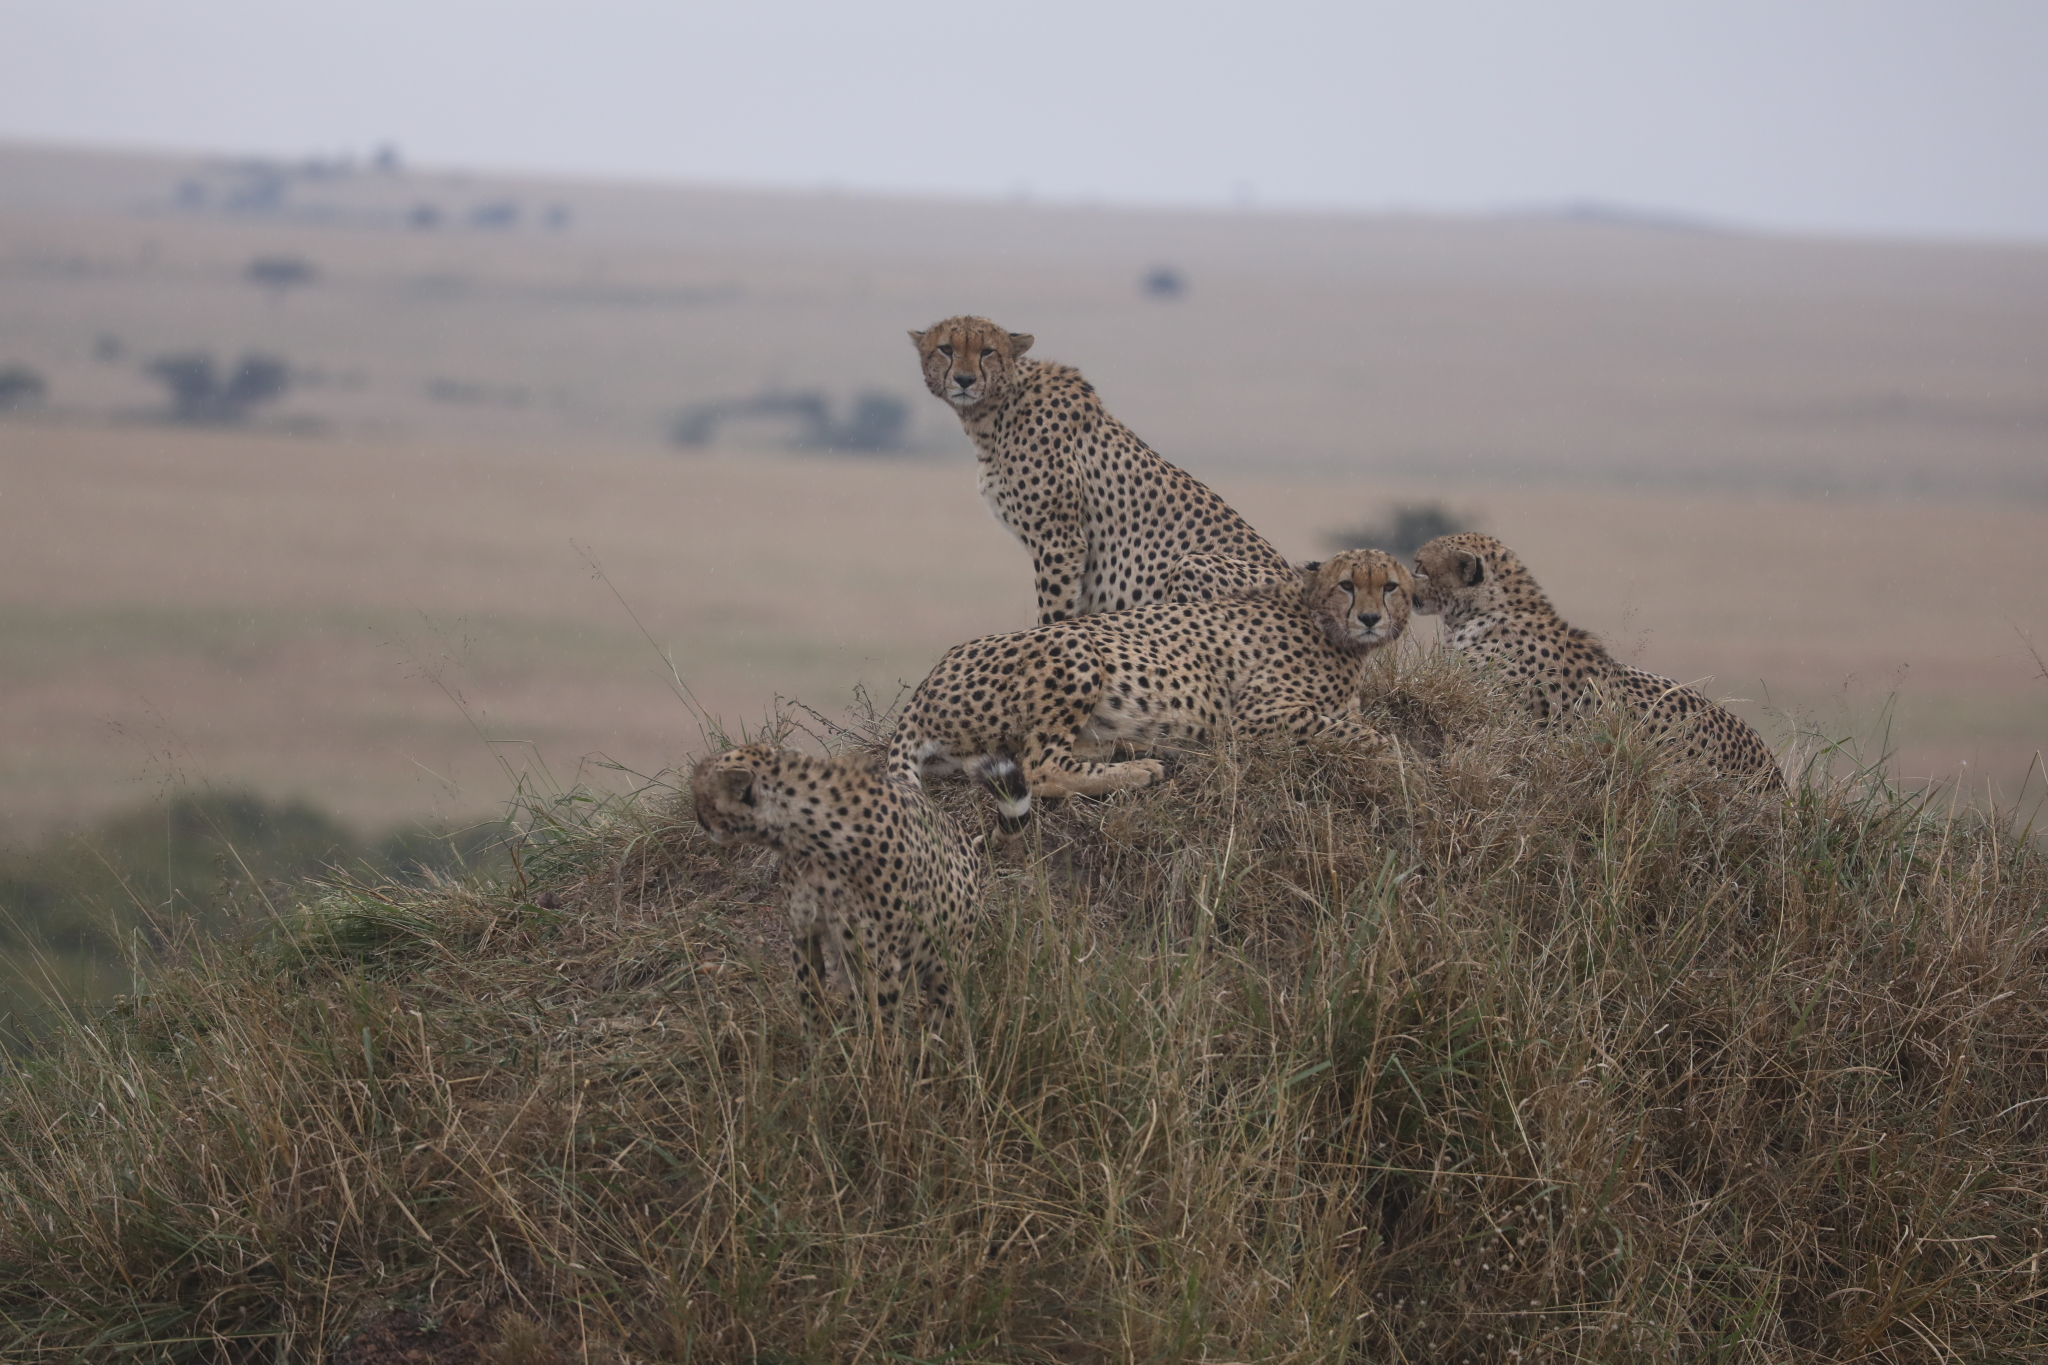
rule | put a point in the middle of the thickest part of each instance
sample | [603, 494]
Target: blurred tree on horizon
[1405, 528]
[201, 392]
[281, 274]
[877, 424]
[21, 387]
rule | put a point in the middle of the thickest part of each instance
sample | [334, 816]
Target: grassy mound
[1498, 1047]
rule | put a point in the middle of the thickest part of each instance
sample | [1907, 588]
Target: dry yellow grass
[296, 613]
[1686, 434]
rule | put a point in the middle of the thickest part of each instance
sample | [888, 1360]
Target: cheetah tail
[1006, 780]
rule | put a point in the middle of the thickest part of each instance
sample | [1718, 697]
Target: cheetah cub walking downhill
[876, 875]
[1494, 612]
[1032, 711]
[1105, 519]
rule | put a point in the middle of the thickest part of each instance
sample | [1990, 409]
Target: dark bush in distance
[20, 386]
[1406, 528]
[698, 426]
[876, 425]
[1164, 282]
[200, 392]
[280, 272]
[499, 213]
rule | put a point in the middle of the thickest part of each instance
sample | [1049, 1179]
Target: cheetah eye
[1390, 589]
[946, 351]
[987, 351]
[1350, 588]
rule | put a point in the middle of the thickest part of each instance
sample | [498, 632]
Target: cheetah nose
[1370, 618]
[965, 381]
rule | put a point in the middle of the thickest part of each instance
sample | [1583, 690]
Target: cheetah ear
[737, 784]
[1310, 569]
[1471, 569]
[917, 338]
[1020, 342]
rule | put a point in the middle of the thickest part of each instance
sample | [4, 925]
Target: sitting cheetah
[1205, 578]
[1494, 611]
[1032, 708]
[1105, 519]
[873, 869]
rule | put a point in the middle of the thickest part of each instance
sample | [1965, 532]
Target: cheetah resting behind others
[1495, 613]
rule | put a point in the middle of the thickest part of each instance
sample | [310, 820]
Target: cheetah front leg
[1051, 769]
[1060, 564]
[934, 987]
[873, 963]
[810, 921]
[1305, 720]
[1349, 728]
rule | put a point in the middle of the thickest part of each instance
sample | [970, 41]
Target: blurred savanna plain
[536, 441]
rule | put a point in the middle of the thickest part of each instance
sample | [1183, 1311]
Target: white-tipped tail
[1006, 780]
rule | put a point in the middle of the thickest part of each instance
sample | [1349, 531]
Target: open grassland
[1805, 473]
[369, 625]
[1494, 1047]
[1387, 346]
[1521, 348]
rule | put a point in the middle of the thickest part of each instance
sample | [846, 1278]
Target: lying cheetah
[1279, 659]
[1493, 611]
[876, 874]
[1104, 517]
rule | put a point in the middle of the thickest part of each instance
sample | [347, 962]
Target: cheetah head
[1360, 598]
[1468, 573]
[969, 361]
[727, 788]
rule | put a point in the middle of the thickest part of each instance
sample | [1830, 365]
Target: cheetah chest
[992, 495]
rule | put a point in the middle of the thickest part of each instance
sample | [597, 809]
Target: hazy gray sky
[1868, 116]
